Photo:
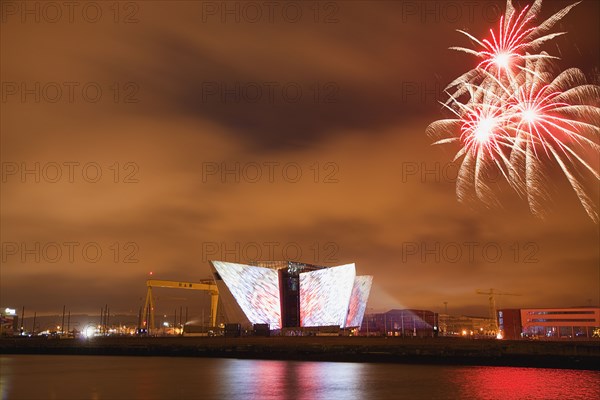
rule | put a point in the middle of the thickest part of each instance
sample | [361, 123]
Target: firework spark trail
[516, 115]
[551, 124]
[516, 41]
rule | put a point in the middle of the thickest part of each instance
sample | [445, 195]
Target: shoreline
[583, 355]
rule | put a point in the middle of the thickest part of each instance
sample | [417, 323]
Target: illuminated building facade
[8, 321]
[287, 294]
[549, 323]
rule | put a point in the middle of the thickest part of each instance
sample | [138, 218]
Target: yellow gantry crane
[207, 285]
[492, 293]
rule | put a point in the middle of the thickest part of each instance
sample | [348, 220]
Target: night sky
[323, 112]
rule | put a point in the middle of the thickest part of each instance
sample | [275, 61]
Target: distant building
[549, 323]
[9, 322]
[509, 324]
[407, 323]
[465, 325]
[287, 294]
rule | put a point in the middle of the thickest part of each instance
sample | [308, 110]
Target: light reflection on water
[527, 383]
[107, 377]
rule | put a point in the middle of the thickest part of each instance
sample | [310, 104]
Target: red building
[549, 323]
[509, 323]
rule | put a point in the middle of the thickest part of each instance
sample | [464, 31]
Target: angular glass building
[287, 294]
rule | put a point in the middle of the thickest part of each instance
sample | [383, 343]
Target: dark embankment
[574, 355]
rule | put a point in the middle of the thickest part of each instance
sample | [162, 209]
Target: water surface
[110, 377]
